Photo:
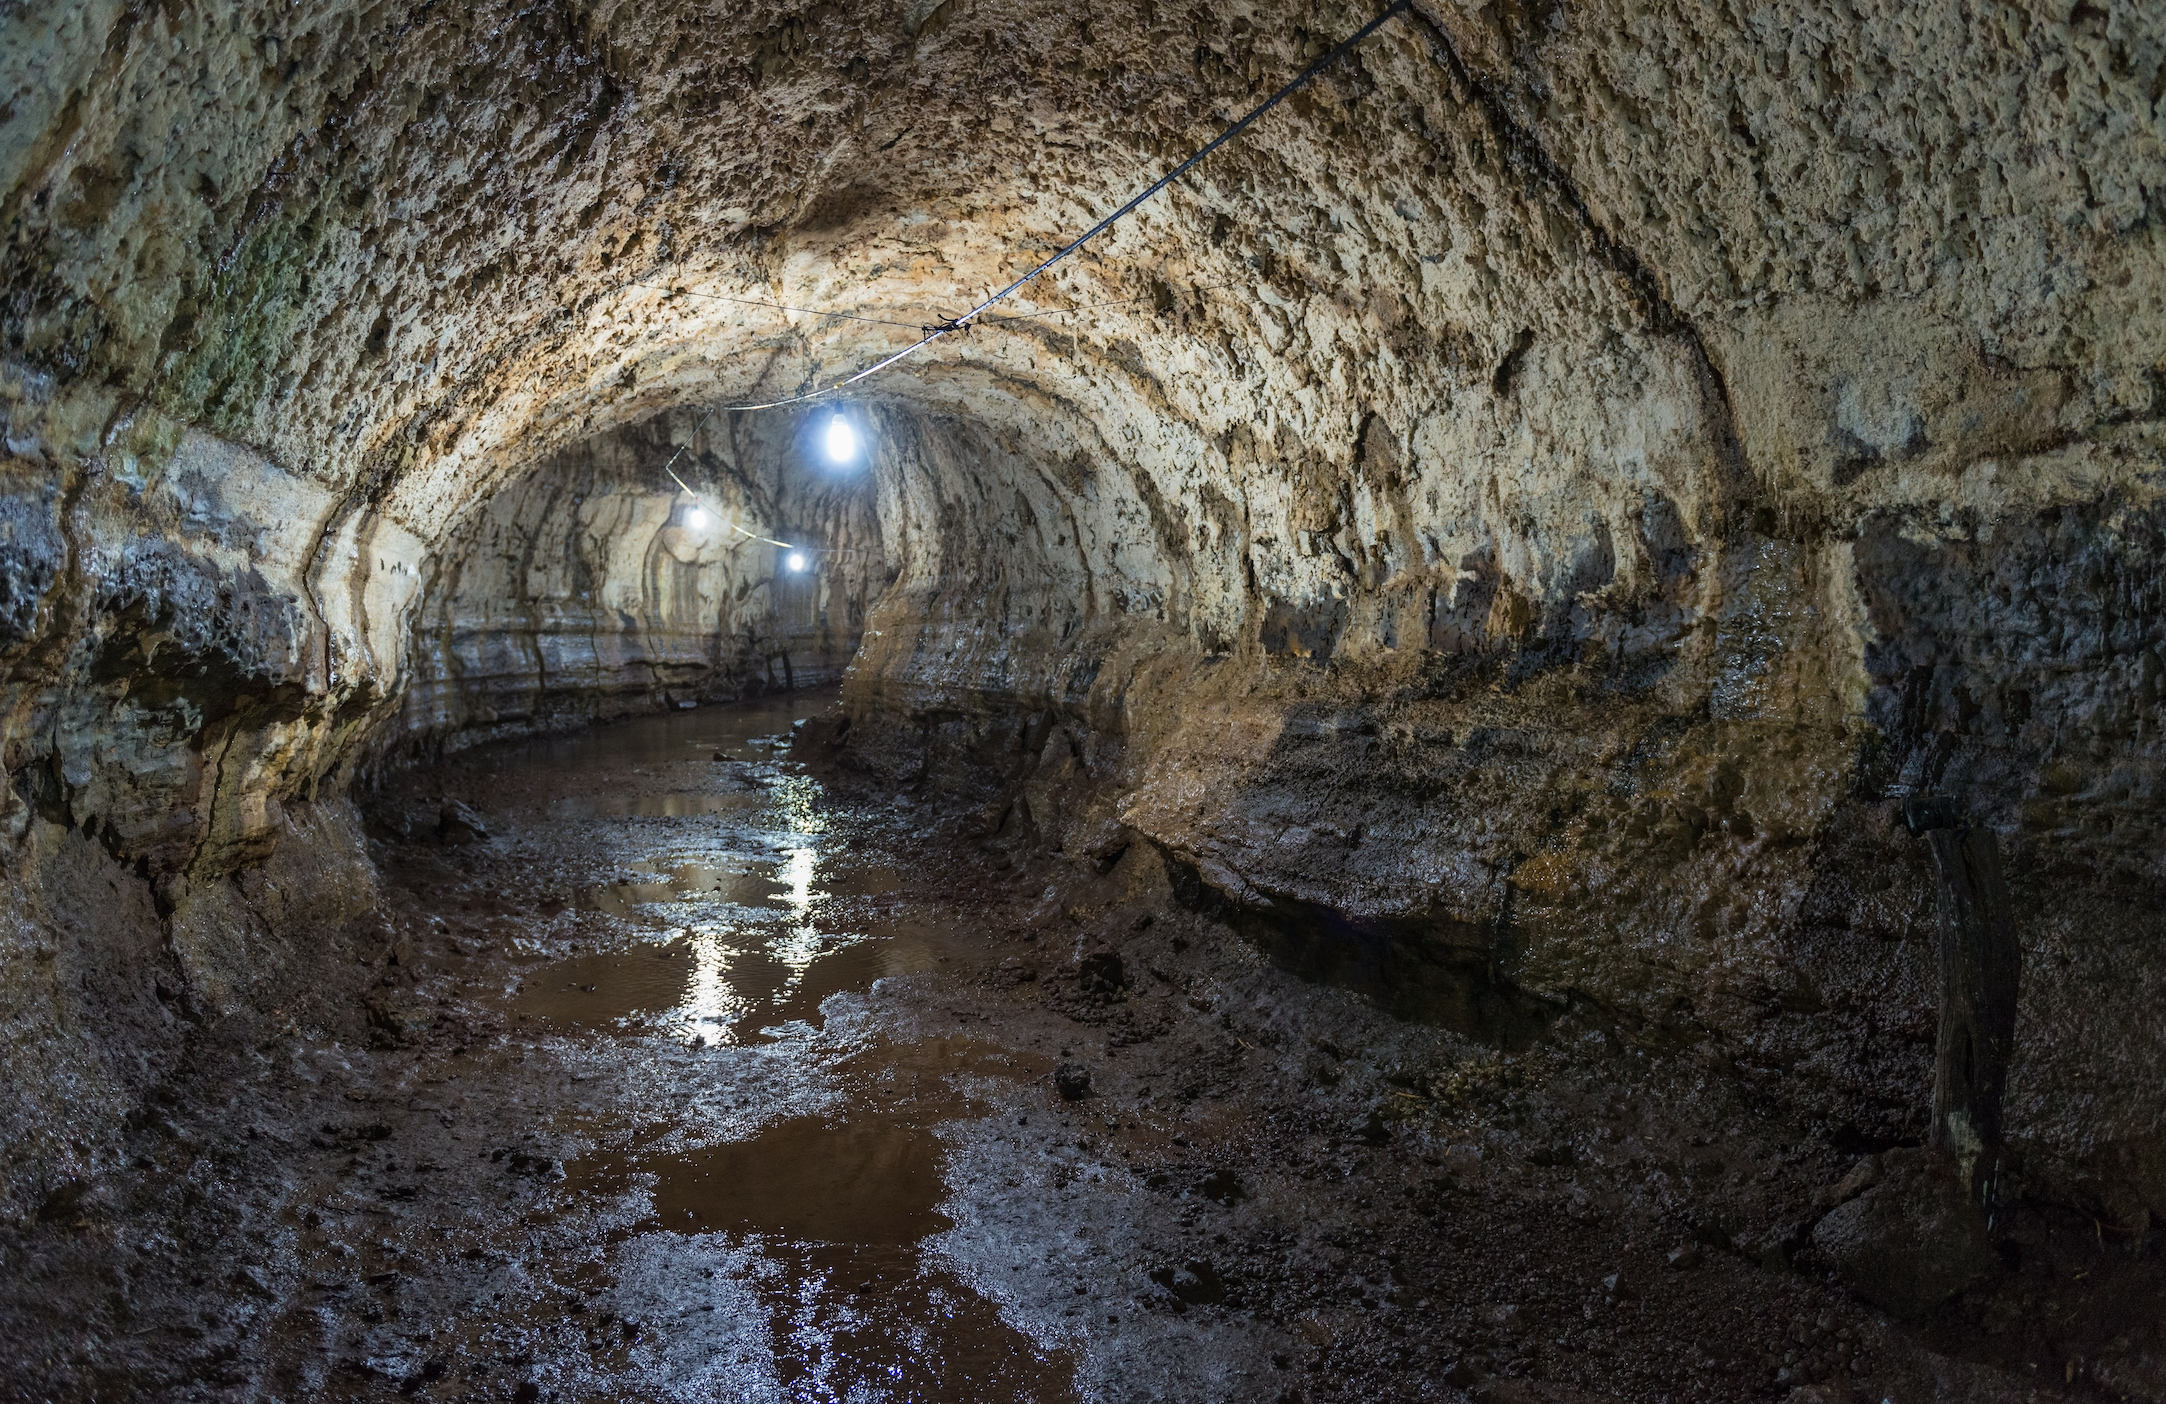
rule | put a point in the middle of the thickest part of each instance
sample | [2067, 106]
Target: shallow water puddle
[736, 732]
[871, 1181]
[721, 984]
[789, 941]
[736, 886]
[680, 806]
[842, 1206]
[756, 914]
[793, 885]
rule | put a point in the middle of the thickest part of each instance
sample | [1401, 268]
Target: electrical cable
[670, 467]
[977, 313]
[965, 321]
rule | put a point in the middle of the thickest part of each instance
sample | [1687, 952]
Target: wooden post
[1980, 970]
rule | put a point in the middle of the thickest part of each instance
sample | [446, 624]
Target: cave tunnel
[1506, 746]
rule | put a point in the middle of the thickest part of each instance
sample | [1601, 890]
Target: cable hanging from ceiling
[670, 466]
[963, 323]
[952, 325]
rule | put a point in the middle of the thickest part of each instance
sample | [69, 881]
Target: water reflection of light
[799, 798]
[711, 1002]
[799, 876]
[800, 947]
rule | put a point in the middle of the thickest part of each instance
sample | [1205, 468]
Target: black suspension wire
[966, 320]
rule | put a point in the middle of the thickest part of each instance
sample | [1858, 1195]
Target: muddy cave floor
[713, 1074]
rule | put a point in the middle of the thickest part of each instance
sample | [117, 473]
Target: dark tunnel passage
[1506, 747]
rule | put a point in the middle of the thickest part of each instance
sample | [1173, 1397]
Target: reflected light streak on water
[711, 1002]
[801, 801]
[801, 946]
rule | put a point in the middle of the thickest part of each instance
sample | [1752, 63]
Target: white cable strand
[963, 323]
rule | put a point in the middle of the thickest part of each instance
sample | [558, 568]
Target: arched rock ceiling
[1680, 428]
[1593, 334]
[399, 245]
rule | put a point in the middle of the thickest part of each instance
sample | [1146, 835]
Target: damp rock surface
[1911, 1240]
[778, 1120]
[1564, 473]
[1504, 540]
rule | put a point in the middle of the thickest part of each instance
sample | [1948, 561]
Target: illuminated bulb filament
[797, 560]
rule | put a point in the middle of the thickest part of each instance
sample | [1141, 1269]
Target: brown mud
[710, 1073]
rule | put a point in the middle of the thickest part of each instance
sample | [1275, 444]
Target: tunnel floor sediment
[698, 1070]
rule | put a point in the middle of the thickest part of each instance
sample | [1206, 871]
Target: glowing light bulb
[797, 560]
[841, 440]
[696, 518]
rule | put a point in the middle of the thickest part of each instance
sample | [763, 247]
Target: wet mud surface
[685, 1069]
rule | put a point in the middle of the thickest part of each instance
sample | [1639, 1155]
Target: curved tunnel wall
[1551, 487]
[597, 586]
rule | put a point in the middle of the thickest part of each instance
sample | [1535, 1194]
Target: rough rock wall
[597, 586]
[109, 978]
[1534, 500]
[1572, 597]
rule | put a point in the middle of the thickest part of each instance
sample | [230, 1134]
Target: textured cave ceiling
[398, 246]
[1600, 454]
[1640, 344]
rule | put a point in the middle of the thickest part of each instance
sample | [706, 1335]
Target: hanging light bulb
[797, 560]
[841, 440]
[696, 518]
